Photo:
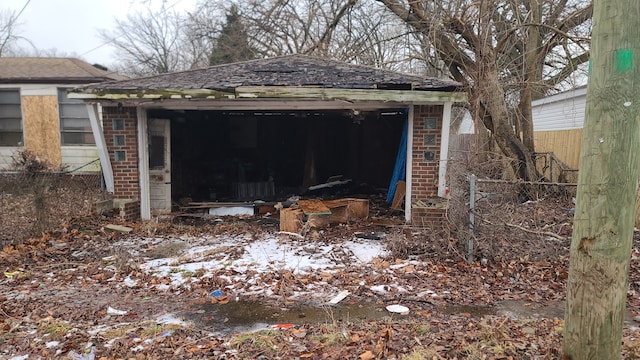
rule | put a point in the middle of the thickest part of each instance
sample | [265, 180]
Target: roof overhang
[281, 93]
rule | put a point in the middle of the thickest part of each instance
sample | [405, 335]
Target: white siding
[35, 89]
[561, 111]
[76, 156]
[6, 156]
[467, 126]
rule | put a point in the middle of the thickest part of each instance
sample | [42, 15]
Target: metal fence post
[472, 209]
[103, 187]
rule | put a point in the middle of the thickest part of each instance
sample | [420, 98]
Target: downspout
[143, 164]
[409, 167]
[101, 144]
[444, 150]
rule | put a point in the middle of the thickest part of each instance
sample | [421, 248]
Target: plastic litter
[112, 311]
[162, 335]
[343, 294]
[399, 309]
[216, 293]
[282, 326]
[75, 356]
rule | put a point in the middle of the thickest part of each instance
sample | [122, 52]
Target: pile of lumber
[321, 213]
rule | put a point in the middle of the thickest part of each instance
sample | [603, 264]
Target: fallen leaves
[62, 284]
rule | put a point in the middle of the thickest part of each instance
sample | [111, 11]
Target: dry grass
[29, 206]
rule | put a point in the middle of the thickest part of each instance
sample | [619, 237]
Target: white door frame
[143, 164]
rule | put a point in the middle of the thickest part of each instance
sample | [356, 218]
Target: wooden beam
[101, 144]
[143, 164]
[126, 94]
[265, 104]
[401, 96]
[444, 150]
[409, 166]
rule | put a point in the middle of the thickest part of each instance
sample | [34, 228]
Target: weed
[171, 249]
[57, 329]
[265, 339]
[422, 353]
[422, 329]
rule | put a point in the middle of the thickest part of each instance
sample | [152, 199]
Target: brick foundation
[130, 210]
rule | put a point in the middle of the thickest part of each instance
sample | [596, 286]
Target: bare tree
[9, 33]
[506, 52]
[353, 31]
[156, 42]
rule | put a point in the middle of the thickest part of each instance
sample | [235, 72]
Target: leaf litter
[81, 292]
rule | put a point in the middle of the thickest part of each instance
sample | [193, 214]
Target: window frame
[75, 104]
[19, 132]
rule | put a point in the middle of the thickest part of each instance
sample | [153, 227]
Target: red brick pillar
[121, 136]
[426, 207]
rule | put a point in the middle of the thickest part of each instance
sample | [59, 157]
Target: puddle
[471, 310]
[243, 316]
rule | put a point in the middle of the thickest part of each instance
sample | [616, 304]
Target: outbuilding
[269, 128]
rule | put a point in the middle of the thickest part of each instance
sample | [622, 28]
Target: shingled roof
[52, 70]
[290, 70]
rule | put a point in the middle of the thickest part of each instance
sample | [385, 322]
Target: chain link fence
[35, 198]
[496, 219]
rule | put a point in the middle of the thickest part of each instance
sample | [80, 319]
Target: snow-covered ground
[247, 263]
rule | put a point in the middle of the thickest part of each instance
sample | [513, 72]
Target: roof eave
[350, 94]
[276, 92]
[53, 80]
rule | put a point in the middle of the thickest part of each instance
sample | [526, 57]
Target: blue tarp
[399, 171]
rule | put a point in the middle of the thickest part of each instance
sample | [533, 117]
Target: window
[118, 124]
[75, 128]
[430, 123]
[120, 155]
[10, 118]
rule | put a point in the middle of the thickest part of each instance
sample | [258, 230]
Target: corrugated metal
[245, 191]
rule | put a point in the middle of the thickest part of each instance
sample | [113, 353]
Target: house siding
[125, 173]
[426, 207]
[560, 112]
[77, 157]
[41, 130]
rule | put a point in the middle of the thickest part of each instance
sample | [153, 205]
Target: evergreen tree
[232, 45]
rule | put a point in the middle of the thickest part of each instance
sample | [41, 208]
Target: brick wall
[130, 211]
[426, 207]
[121, 135]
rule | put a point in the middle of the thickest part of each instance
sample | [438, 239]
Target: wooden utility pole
[607, 184]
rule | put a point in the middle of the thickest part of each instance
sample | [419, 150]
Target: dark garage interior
[271, 155]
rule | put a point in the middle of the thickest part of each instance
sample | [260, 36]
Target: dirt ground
[236, 288]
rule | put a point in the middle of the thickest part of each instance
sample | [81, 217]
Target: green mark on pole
[623, 61]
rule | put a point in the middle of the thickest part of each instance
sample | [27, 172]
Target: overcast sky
[71, 26]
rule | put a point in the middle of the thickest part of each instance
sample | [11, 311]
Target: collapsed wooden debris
[321, 213]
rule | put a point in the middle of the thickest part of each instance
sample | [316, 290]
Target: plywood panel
[291, 220]
[42, 127]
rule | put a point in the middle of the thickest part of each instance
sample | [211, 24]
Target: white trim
[143, 164]
[409, 166]
[272, 104]
[444, 150]
[573, 93]
[101, 144]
